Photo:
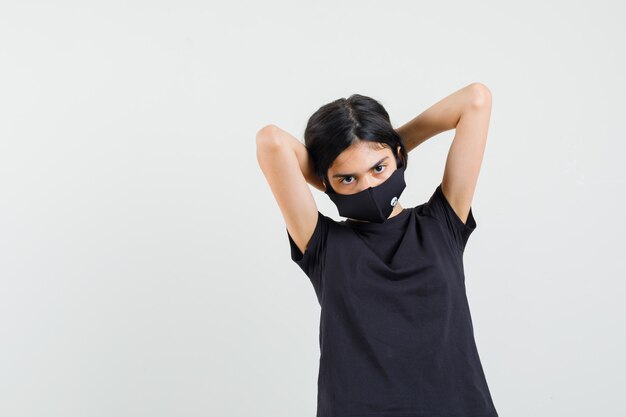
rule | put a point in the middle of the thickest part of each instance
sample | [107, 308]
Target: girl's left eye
[380, 166]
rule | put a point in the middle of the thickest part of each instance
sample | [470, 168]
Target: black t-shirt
[396, 335]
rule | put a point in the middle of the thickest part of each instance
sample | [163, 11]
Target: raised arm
[467, 110]
[286, 165]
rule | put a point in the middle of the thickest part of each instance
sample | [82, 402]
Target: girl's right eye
[343, 181]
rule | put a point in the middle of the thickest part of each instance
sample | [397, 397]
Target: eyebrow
[352, 175]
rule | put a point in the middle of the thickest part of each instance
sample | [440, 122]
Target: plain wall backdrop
[145, 268]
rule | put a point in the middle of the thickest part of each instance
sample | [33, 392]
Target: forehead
[360, 157]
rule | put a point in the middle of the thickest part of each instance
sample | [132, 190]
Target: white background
[144, 264]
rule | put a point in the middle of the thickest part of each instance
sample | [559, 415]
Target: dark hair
[339, 124]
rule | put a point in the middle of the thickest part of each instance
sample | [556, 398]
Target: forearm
[283, 138]
[440, 117]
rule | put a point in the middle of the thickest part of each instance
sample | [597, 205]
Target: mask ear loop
[399, 162]
[328, 187]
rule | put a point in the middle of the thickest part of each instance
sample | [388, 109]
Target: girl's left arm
[467, 110]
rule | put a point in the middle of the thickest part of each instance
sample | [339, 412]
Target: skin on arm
[467, 110]
[286, 165]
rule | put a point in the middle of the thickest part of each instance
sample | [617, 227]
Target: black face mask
[373, 204]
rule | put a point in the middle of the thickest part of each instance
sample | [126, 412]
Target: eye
[378, 170]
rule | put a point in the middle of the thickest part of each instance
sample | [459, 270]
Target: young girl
[396, 335]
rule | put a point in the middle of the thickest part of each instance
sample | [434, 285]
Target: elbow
[267, 135]
[481, 95]
[268, 141]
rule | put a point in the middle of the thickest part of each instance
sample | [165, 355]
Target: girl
[396, 335]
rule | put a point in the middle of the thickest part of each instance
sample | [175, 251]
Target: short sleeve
[439, 207]
[312, 260]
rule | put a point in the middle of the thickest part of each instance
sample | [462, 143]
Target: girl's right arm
[287, 167]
